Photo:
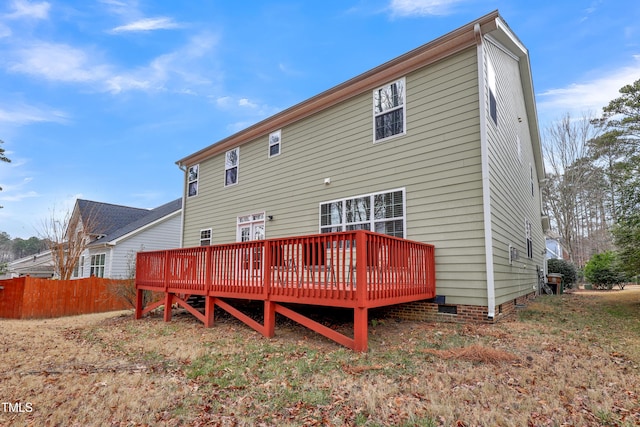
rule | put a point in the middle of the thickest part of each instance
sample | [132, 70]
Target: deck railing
[354, 268]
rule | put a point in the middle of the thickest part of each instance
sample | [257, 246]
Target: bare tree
[573, 190]
[67, 236]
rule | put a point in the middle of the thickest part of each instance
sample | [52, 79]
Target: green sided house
[440, 146]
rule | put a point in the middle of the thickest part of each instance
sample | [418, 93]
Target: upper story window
[231, 160]
[389, 110]
[192, 181]
[529, 239]
[531, 180]
[205, 237]
[274, 143]
[380, 212]
[491, 81]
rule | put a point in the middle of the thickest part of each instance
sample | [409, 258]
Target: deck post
[360, 328]
[139, 307]
[269, 319]
[361, 268]
[269, 306]
[360, 312]
[209, 306]
[168, 301]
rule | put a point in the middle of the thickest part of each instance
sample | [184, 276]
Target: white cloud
[25, 9]
[223, 101]
[422, 7]
[16, 192]
[17, 197]
[589, 95]
[57, 62]
[176, 71]
[25, 114]
[170, 71]
[148, 24]
[244, 102]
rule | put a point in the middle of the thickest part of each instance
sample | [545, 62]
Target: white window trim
[237, 166]
[195, 180]
[210, 230]
[93, 266]
[78, 271]
[372, 221]
[404, 111]
[256, 218]
[528, 238]
[275, 138]
[533, 192]
[493, 89]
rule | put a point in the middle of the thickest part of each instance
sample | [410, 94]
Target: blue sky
[99, 98]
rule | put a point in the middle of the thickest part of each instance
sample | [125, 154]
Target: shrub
[603, 271]
[567, 269]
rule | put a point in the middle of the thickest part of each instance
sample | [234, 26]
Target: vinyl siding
[163, 235]
[511, 199]
[437, 161]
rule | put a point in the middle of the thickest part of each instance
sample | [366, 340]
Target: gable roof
[107, 217]
[149, 217]
[442, 47]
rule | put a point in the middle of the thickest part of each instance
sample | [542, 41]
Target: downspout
[183, 168]
[110, 246]
[486, 183]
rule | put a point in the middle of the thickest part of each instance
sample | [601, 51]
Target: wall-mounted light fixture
[270, 217]
[327, 181]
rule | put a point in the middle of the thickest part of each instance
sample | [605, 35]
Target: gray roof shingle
[114, 221]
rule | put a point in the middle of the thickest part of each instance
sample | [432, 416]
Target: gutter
[486, 183]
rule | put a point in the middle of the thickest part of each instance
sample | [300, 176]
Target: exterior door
[251, 227]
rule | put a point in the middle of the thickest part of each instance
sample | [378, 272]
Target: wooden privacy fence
[32, 298]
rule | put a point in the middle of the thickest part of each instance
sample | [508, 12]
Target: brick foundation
[430, 311]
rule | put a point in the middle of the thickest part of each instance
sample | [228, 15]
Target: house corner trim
[486, 183]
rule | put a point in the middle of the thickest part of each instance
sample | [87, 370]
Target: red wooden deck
[354, 269]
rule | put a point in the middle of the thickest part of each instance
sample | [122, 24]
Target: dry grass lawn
[569, 360]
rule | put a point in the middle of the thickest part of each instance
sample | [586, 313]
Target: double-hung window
[380, 212]
[231, 160]
[493, 102]
[531, 182]
[205, 237]
[389, 110]
[78, 270]
[274, 143]
[527, 231]
[97, 265]
[192, 181]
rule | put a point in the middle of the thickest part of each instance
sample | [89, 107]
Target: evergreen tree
[619, 148]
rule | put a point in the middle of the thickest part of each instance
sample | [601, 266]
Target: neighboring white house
[117, 233]
[555, 250]
[37, 265]
[120, 232]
